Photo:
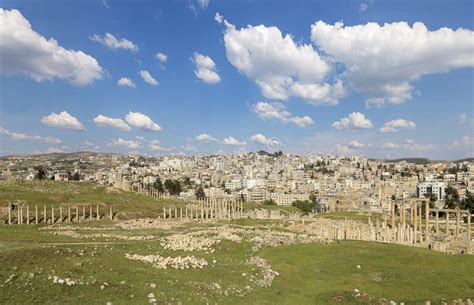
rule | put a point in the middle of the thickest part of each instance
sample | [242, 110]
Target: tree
[452, 197]
[173, 186]
[158, 185]
[305, 206]
[269, 202]
[468, 201]
[200, 194]
[312, 198]
[40, 173]
[76, 177]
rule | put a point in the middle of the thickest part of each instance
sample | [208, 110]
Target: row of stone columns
[206, 209]
[422, 228]
[71, 214]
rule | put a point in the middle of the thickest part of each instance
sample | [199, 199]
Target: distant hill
[60, 156]
[413, 160]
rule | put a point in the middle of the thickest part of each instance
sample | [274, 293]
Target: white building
[430, 187]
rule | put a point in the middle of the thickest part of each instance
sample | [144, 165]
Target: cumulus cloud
[204, 137]
[278, 112]
[259, 138]
[62, 120]
[465, 143]
[354, 121]
[112, 42]
[355, 144]
[219, 18]
[148, 78]
[205, 69]
[462, 118]
[125, 143]
[125, 82]
[383, 61]
[278, 65]
[231, 141]
[142, 121]
[162, 57]
[102, 120]
[16, 136]
[390, 145]
[24, 51]
[395, 125]
[363, 7]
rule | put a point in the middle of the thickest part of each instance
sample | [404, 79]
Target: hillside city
[330, 182]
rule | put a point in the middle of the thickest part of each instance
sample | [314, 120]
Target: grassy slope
[309, 274]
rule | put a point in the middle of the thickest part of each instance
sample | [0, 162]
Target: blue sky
[356, 88]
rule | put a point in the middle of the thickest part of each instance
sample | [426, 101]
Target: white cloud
[102, 120]
[259, 138]
[219, 18]
[125, 82]
[112, 42]
[354, 121]
[16, 136]
[203, 3]
[382, 61]
[141, 120]
[356, 144]
[87, 143]
[462, 119]
[24, 51]
[302, 121]
[148, 78]
[363, 7]
[162, 57]
[279, 66]
[277, 111]
[390, 145]
[125, 143]
[395, 125]
[204, 137]
[231, 141]
[62, 120]
[465, 143]
[205, 69]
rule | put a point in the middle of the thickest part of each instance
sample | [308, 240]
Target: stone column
[447, 223]
[36, 214]
[77, 213]
[9, 213]
[45, 216]
[457, 223]
[415, 223]
[164, 213]
[84, 212]
[181, 212]
[186, 212]
[68, 213]
[202, 213]
[27, 214]
[90, 212]
[427, 221]
[97, 216]
[402, 214]
[468, 225]
[420, 214]
[393, 214]
[52, 214]
[111, 213]
[437, 223]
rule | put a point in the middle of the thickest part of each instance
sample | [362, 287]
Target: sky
[383, 79]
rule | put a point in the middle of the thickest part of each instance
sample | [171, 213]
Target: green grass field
[309, 273]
